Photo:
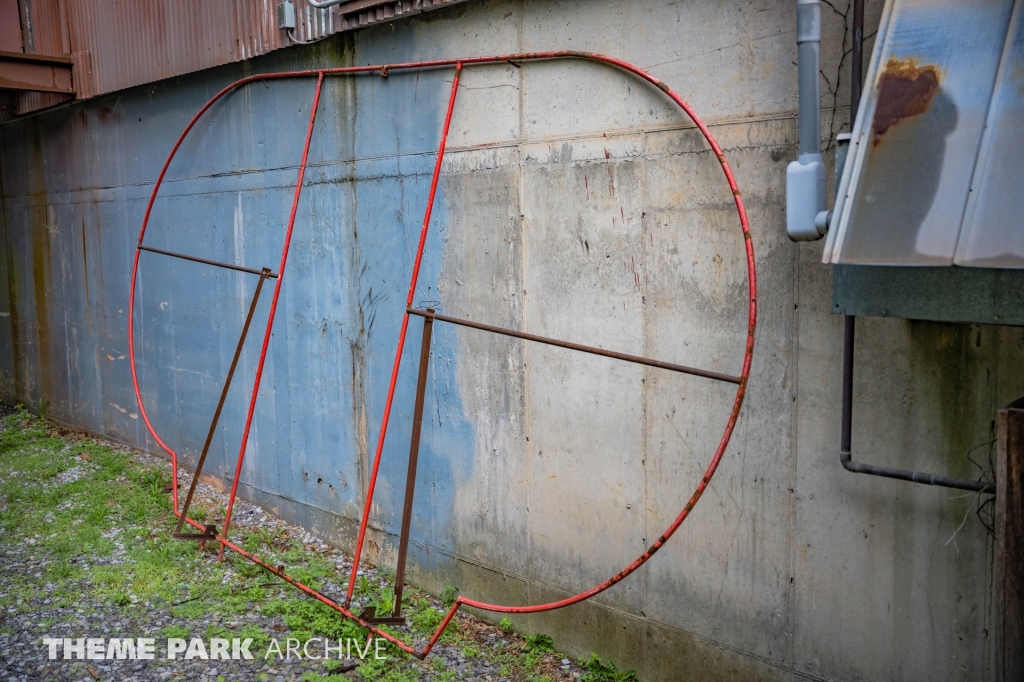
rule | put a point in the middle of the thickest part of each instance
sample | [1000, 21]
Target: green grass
[75, 502]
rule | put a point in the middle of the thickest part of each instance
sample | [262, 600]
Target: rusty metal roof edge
[118, 46]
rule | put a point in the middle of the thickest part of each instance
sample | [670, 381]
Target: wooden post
[1009, 556]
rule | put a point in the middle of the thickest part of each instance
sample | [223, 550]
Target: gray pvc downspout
[808, 42]
[806, 218]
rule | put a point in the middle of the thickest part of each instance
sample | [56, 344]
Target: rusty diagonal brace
[414, 453]
[210, 532]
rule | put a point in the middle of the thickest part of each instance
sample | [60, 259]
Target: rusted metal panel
[140, 42]
[120, 45]
[313, 23]
[10, 26]
[28, 101]
[8, 104]
[30, 72]
[134, 43]
[917, 137]
[48, 35]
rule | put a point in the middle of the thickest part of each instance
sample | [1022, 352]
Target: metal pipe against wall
[857, 66]
[806, 218]
[808, 42]
[850, 324]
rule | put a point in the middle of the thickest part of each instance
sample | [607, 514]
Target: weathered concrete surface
[577, 203]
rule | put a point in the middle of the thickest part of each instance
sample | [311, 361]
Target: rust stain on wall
[12, 307]
[905, 89]
[40, 284]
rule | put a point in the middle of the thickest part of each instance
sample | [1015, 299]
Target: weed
[179, 631]
[505, 624]
[597, 671]
[308, 618]
[539, 643]
[449, 594]
[385, 601]
[384, 670]
[363, 587]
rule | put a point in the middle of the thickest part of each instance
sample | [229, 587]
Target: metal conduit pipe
[808, 45]
[846, 435]
[806, 218]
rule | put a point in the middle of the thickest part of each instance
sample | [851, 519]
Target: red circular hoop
[459, 64]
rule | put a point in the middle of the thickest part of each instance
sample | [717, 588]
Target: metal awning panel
[993, 232]
[937, 67]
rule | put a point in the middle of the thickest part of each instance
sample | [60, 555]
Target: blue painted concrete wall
[76, 182]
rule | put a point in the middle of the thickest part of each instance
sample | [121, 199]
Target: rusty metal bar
[640, 360]
[846, 435]
[34, 72]
[197, 259]
[414, 454]
[178, 535]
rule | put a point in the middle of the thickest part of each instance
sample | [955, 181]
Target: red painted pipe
[401, 335]
[273, 310]
[459, 63]
[313, 593]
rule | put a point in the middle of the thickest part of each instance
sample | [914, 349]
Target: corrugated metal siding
[28, 101]
[47, 20]
[117, 45]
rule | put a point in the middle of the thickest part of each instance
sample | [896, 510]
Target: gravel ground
[86, 552]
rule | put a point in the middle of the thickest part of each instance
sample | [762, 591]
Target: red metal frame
[383, 70]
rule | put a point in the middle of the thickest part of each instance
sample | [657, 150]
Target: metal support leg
[210, 532]
[396, 618]
[414, 455]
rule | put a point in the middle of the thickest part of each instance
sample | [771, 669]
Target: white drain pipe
[806, 217]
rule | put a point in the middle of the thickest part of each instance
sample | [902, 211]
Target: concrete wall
[575, 203]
